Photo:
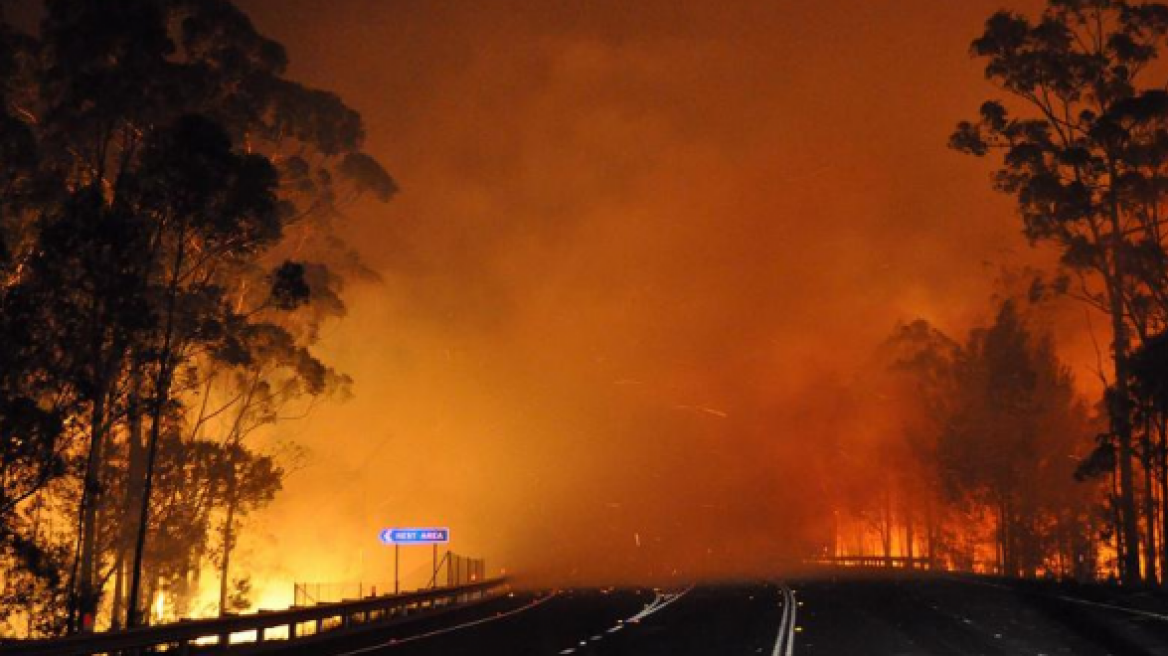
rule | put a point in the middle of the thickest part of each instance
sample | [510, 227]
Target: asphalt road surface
[855, 616]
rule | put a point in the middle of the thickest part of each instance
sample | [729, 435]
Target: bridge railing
[869, 561]
[181, 637]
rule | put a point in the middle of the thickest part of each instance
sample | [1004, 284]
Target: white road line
[1122, 609]
[450, 629]
[648, 610]
[659, 603]
[778, 650]
[785, 640]
[791, 626]
[1073, 600]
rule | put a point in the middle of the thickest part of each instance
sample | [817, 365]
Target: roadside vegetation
[168, 253]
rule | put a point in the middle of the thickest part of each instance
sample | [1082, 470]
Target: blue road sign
[427, 535]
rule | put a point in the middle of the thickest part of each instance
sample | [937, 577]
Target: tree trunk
[835, 549]
[908, 536]
[931, 533]
[1117, 521]
[166, 354]
[228, 539]
[1162, 456]
[1127, 502]
[1120, 407]
[135, 471]
[1150, 558]
[119, 591]
[1001, 538]
[134, 615]
[886, 528]
[87, 598]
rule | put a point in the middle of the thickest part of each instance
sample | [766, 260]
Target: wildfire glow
[672, 247]
[158, 608]
[644, 257]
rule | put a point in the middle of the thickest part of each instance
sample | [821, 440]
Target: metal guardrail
[179, 637]
[870, 561]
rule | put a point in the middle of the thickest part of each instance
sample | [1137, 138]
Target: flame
[158, 608]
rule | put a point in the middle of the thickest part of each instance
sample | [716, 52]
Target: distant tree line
[973, 454]
[168, 202]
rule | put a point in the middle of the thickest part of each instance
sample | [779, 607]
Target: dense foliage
[1083, 139]
[167, 205]
[976, 444]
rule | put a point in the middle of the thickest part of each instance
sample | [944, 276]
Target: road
[897, 616]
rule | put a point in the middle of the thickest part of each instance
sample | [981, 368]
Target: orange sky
[638, 244]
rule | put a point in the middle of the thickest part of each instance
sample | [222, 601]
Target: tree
[251, 482]
[1150, 389]
[92, 250]
[993, 434]
[161, 189]
[922, 362]
[1084, 161]
[1014, 416]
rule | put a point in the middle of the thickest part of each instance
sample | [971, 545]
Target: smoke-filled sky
[638, 246]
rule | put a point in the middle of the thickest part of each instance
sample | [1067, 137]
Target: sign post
[417, 536]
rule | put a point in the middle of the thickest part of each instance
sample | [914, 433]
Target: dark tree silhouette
[1083, 154]
[167, 204]
[923, 359]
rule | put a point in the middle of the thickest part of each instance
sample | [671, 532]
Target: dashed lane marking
[659, 603]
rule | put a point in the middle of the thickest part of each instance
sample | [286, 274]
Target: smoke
[642, 249]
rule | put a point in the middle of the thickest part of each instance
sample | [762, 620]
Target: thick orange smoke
[639, 249]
